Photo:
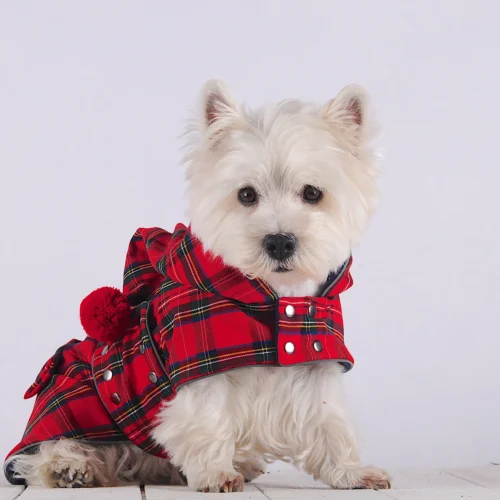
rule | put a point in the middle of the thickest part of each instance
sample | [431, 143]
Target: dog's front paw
[250, 469]
[73, 477]
[358, 478]
[225, 482]
[373, 478]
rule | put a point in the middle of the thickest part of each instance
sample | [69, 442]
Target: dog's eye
[311, 194]
[247, 196]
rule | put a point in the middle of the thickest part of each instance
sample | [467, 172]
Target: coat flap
[48, 370]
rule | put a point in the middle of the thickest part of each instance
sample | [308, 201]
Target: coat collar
[155, 255]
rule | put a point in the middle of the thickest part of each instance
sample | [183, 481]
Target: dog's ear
[219, 110]
[348, 113]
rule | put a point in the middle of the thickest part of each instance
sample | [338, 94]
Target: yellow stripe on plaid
[152, 236]
[286, 325]
[133, 270]
[96, 435]
[222, 357]
[192, 267]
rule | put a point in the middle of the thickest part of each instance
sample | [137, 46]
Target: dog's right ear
[219, 111]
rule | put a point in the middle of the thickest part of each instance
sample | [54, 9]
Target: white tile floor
[482, 483]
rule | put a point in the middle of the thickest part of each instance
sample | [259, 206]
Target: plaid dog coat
[192, 317]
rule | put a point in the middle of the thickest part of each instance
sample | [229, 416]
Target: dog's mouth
[281, 269]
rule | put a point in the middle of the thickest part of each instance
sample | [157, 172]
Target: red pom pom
[105, 314]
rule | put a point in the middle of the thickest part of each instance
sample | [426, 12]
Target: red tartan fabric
[194, 317]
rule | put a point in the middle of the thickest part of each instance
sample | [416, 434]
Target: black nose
[280, 246]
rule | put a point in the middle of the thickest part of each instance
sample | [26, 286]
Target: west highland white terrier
[279, 195]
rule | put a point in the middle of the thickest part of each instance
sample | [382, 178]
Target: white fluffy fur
[221, 430]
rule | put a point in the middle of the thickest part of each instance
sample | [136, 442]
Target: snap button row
[290, 347]
[107, 376]
[290, 310]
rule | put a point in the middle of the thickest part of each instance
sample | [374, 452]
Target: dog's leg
[249, 465]
[197, 431]
[58, 464]
[334, 458]
[73, 464]
[332, 453]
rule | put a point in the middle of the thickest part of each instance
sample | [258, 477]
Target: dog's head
[281, 192]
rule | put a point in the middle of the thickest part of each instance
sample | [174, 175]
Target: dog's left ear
[348, 113]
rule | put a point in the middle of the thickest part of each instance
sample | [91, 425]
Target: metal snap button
[317, 346]
[289, 348]
[107, 375]
[153, 378]
[115, 398]
[312, 310]
[290, 311]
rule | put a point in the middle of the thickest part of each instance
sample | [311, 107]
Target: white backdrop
[92, 100]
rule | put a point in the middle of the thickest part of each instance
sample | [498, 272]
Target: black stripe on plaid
[210, 362]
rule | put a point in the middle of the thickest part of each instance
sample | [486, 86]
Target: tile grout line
[20, 493]
[467, 480]
[268, 498]
[384, 493]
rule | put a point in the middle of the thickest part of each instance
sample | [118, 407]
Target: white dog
[281, 193]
